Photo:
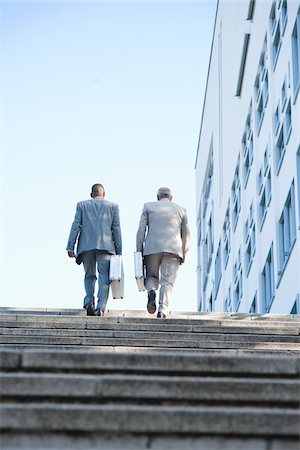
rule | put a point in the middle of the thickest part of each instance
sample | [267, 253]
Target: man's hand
[71, 253]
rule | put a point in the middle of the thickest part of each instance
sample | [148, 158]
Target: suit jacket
[96, 226]
[163, 228]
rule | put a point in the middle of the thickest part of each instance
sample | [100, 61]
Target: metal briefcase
[116, 276]
[139, 271]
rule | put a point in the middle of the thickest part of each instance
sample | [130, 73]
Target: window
[237, 282]
[283, 94]
[218, 270]
[282, 120]
[267, 282]
[298, 181]
[286, 230]
[207, 250]
[249, 240]
[253, 307]
[236, 196]
[247, 147]
[287, 123]
[251, 8]
[210, 303]
[296, 55]
[228, 303]
[261, 88]
[279, 150]
[226, 238]
[278, 20]
[264, 188]
[296, 306]
[276, 120]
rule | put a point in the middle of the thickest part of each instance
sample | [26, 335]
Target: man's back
[97, 221]
[167, 229]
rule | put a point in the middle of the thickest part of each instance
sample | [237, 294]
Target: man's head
[97, 191]
[164, 192]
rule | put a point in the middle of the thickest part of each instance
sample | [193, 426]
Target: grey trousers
[161, 269]
[101, 260]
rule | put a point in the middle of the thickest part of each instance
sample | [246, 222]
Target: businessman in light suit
[96, 229]
[163, 238]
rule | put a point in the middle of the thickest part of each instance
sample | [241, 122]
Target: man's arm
[140, 236]
[75, 230]
[185, 235]
[116, 231]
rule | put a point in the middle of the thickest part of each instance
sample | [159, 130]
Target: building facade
[248, 161]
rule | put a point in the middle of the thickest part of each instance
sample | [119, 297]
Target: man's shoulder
[178, 207]
[92, 201]
[110, 204]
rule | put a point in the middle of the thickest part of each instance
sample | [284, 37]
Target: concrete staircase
[130, 381]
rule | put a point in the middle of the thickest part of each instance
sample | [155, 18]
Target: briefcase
[139, 271]
[116, 276]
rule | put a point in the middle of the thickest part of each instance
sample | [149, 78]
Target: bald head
[98, 190]
[164, 192]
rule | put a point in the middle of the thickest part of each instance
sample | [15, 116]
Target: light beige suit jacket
[163, 228]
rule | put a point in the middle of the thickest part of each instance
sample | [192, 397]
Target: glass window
[228, 302]
[237, 282]
[249, 240]
[278, 20]
[296, 306]
[267, 282]
[286, 230]
[279, 149]
[296, 55]
[253, 307]
[218, 270]
[247, 147]
[226, 238]
[261, 88]
[236, 196]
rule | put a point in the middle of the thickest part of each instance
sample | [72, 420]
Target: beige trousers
[161, 269]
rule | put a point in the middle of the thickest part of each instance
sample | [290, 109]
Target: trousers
[161, 269]
[92, 260]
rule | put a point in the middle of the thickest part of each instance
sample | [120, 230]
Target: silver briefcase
[139, 271]
[116, 276]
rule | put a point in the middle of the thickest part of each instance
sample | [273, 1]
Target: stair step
[11, 327]
[149, 387]
[150, 419]
[160, 362]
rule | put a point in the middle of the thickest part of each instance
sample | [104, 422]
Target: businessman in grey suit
[96, 229]
[163, 238]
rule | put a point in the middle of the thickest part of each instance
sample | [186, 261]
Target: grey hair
[164, 192]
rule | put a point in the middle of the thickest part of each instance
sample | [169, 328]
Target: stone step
[132, 349]
[145, 388]
[150, 419]
[93, 440]
[154, 326]
[143, 314]
[155, 335]
[196, 343]
[200, 364]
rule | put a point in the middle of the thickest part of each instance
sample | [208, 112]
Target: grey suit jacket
[96, 226]
[163, 228]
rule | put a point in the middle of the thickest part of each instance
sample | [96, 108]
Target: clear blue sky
[107, 92]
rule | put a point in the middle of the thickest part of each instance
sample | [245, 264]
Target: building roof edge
[208, 70]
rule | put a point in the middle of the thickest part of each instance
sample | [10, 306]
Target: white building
[248, 161]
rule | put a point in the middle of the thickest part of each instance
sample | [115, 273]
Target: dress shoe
[90, 308]
[100, 312]
[161, 315]
[151, 305]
